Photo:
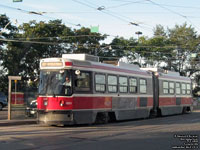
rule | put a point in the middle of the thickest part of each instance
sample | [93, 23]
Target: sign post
[10, 78]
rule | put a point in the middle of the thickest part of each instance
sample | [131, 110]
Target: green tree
[7, 30]
[154, 50]
[172, 46]
[118, 48]
[186, 40]
[159, 31]
[86, 41]
[42, 40]
[33, 42]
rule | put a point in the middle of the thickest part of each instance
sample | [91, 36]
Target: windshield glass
[55, 82]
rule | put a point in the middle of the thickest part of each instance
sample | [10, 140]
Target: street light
[138, 33]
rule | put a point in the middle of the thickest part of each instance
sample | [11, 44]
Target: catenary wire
[172, 11]
[95, 45]
[119, 17]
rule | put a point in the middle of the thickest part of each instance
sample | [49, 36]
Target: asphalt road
[173, 132]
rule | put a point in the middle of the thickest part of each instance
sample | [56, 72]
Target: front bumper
[55, 117]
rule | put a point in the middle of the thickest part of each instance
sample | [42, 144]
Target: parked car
[3, 100]
[31, 110]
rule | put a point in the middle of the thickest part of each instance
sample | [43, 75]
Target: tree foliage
[118, 48]
[7, 30]
[36, 40]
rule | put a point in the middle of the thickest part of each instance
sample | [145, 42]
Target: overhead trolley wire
[186, 7]
[34, 13]
[42, 14]
[95, 45]
[125, 4]
[33, 42]
[85, 4]
[119, 17]
[172, 11]
[136, 23]
[177, 6]
[113, 15]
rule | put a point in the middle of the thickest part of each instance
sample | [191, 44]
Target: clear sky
[112, 16]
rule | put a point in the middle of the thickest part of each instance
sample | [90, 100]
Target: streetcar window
[171, 87]
[100, 82]
[53, 82]
[123, 84]
[165, 87]
[132, 85]
[183, 85]
[143, 86]
[178, 88]
[82, 81]
[112, 83]
[188, 89]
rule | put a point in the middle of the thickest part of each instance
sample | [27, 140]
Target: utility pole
[139, 33]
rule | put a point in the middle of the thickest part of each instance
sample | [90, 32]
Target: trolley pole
[10, 78]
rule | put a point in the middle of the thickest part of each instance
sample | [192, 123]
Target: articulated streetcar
[78, 89]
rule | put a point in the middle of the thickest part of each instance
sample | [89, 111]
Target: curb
[16, 122]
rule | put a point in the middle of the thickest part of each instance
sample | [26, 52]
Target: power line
[122, 19]
[172, 11]
[95, 45]
[125, 4]
[176, 6]
[56, 37]
[136, 23]
[132, 2]
[167, 9]
[32, 42]
[34, 13]
[42, 14]
[103, 10]
[139, 24]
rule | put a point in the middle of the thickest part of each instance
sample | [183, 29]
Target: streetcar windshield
[55, 82]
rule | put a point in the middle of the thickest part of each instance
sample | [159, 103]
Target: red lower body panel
[172, 101]
[69, 103]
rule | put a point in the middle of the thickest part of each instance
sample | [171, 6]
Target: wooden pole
[9, 100]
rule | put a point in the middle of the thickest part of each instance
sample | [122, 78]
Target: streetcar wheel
[184, 110]
[102, 118]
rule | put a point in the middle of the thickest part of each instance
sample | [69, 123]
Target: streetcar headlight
[156, 74]
[62, 102]
[45, 103]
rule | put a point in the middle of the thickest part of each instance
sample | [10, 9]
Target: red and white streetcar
[78, 89]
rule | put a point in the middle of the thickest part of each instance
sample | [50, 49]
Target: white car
[31, 110]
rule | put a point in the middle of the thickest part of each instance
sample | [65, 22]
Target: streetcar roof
[84, 57]
[89, 62]
[168, 75]
[79, 62]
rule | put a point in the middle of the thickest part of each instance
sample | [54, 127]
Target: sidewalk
[17, 122]
[17, 119]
